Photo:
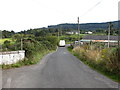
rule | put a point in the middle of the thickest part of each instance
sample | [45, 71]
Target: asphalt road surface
[56, 70]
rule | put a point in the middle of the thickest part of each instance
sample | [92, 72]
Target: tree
[7, 34]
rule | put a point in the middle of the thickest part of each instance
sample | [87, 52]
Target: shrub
[35, 49]
[112, 61]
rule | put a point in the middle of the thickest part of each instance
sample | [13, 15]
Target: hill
[86, 26]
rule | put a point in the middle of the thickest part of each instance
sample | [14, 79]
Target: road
[56, 70]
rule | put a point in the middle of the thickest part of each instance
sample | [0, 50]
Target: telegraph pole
[61, 29]
[78, 32]
[58, 33]
[109, 34]
[21, 44]
[118, 43]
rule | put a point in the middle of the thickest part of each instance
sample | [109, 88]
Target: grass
[70, 49]
[68, 42]
[26, 61]
[3, 40]
[96, 67]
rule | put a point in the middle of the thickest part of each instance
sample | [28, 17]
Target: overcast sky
[20, 15]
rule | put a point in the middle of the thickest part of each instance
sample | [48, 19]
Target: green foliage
[7, 46]
[53, 41]
[7, 34]
[49, 42]
[35, 48]
[70, 48]
[110, 57]
[71, 38]
[3, 40]
[7, 43]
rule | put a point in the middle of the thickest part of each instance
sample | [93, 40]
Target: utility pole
[61, 29]
[58, 33]
[109, 34]
[78, 32]
[118, 38]
[21, 44]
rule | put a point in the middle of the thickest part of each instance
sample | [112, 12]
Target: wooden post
[21, 44]
[78, 32]
[109, 34]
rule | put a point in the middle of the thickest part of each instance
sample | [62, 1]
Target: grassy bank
[104, 61]
[37, 57]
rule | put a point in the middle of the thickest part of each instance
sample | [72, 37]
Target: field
[3, 40]
[74, 35]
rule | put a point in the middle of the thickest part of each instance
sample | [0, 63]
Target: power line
[92, 8]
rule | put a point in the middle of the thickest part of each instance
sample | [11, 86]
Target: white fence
[11, 57]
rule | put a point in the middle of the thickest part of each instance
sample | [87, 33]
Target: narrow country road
[56, 70]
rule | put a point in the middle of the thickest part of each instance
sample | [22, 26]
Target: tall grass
[104, 60]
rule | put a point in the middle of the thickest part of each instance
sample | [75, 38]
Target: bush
[110, 56]
[35, 49]
[70, 47]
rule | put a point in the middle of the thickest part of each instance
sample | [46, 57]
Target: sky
[19, 15]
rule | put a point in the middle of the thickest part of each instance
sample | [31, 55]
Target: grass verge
[70, 48]
[98, 68]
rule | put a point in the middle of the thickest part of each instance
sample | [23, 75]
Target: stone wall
[11, 57]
